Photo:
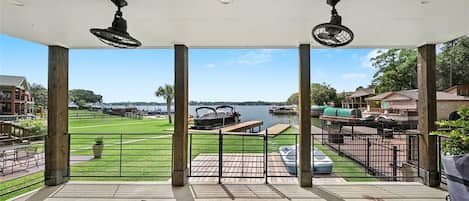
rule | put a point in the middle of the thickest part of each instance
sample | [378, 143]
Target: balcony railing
[148, 156]
[22, 161]
[124, 155]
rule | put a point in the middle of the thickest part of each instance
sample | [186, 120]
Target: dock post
[305, 173]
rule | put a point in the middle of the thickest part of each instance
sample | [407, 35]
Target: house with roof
[402, 105]
[15, 96]
[460, 90]
[357, 98]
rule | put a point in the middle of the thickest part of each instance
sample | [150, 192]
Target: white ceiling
[241, 24]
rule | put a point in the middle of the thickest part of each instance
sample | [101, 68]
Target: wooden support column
[181, 92]
[427, 113]
[305, 174]
[57, 143]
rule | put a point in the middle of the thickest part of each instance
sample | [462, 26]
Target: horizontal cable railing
[120, 155]
[252, 155]
[384, 157]
[21, 160]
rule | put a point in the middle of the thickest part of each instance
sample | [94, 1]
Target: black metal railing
[440, 143]
[368, 157]
[238, 155]
[22, 160]
[124, 155]
[383, 157]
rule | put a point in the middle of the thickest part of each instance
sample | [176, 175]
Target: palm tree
[167, 92]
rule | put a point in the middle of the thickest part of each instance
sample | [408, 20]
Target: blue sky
[214, 74]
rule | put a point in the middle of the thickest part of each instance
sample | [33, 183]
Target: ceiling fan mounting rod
[332, 2]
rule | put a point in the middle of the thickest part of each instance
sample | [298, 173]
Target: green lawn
[150, 155]
[146, 150]
[21, 185]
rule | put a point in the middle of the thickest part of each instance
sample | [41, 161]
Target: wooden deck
[243, 126]
[276, 129]
[238, 165]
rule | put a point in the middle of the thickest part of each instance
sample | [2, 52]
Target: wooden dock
[243, 126]
[276, 129]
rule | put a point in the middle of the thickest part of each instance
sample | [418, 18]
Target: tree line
[397, 70]
[78, 96]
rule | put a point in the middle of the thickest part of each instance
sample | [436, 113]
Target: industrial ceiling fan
[117, 35]
[333, 33]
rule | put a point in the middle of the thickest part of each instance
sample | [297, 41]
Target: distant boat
[283, 110]
[215, 117]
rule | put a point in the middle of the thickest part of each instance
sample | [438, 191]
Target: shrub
[38, 127]
[458, 138]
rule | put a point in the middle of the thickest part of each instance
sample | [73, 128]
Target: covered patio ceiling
[241, 24]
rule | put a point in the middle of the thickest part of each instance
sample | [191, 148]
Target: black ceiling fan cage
[117, 35]
[333, 33]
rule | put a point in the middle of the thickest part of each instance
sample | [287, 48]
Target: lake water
[248, 112]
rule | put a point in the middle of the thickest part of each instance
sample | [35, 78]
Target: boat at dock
[208, 118]
[283, 110]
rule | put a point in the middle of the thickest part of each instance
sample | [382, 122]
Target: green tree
[322, 94]
[396, 70]
[453, 63]
[293, 99]
[82, 96]
[39, 94]
[167, 92]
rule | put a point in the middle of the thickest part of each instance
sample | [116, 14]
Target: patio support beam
[305, 174]
[181, 92]
[426, 106]
[56, 151]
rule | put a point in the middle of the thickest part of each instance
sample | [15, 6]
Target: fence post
[296, 155]
[394, 163]
[120, 157]
[190, 154]
[68, 154]
[266, 155]
[242, 154]
[220, 156]
[368, 145]
[418, 156]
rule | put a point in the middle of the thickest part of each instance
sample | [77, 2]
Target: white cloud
[210, 66]
[256, 57]
[353, 76]
[366, 60]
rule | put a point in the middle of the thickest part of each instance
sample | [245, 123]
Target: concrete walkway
[101, 191]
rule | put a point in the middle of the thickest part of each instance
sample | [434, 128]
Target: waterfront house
[15, 97]
[460, 90]
[357, 98]
[402, 105]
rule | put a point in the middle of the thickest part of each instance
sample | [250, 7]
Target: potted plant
[98, 147]
[455, 154]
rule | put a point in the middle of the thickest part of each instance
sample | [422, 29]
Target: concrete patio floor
[103, 191]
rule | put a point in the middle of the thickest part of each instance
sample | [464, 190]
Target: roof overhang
[241, 24]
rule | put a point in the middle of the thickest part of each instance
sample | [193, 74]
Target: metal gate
[237, 155]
